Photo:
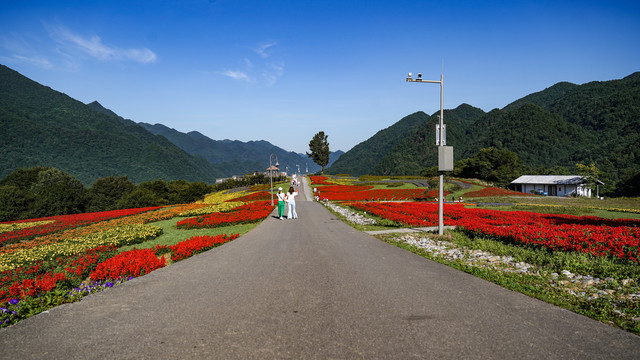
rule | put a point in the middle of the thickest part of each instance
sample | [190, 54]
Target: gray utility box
[445, 158]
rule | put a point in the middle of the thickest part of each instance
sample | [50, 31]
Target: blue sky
[281, 70]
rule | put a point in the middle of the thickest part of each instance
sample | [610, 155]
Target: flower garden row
[24, 229]
[82, 249]
[341, 192]
[619, 238]
[22, 285]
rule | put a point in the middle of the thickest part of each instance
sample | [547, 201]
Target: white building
[554, 185]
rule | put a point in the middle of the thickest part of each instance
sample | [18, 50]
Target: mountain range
[235, 157]
[43, 127]
[597, 122]
[565, 124]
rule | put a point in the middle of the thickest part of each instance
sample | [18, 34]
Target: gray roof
[550, 179]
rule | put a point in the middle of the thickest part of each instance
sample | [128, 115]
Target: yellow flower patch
[225, 206]
[119, 236]
[222, 196]
[22, 225]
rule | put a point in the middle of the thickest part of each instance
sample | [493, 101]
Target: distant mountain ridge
[43, 127]
[562, 125]
[234, 157]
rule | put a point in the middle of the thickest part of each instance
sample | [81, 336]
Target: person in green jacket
[280, 203]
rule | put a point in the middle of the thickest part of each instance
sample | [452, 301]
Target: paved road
[311, 288]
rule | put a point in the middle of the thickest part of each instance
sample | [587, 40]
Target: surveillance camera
[419, 75]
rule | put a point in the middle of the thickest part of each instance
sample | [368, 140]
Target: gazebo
[273, 171]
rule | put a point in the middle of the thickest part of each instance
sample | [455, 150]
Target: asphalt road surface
[311, 288]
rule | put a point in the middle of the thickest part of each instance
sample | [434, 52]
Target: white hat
[279, 189]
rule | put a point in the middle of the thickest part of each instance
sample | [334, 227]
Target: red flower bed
[492, 191]
[431, 195]
[129, 263]
[39, 285]
[344, 188]
[63, 222]
[319, 180]
[597, 236]
[45, 276]
[370, 195]
[198, 244]
[247, 213]
[257, 196]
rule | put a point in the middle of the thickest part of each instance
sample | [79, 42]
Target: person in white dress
[291, 201]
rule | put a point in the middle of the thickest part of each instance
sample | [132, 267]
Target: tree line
[47, 191]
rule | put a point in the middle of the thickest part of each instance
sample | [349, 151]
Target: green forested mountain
[408, 156]
[565, 124]
[43, 127]
[366, 155]
[538, 137]
[545, 97]
[233, 157]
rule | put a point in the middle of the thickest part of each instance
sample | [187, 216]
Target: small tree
[589, 173]
[319, 147]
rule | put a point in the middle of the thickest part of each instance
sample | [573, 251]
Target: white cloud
[258, 70]
[236, 75]
[262, 49]
[94, 47]
[19, 50]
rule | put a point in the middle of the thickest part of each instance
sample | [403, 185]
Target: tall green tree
[105, 193]
[58, 193]
[590, 173]
[319, 147]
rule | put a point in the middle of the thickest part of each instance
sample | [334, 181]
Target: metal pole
[441, 143]
[271, 176]
[271, 180]
[441, 195]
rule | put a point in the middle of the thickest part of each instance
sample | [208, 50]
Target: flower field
[342, 192]
[319, 180]
[52, 224]
[618, 239]
[48, 261]
[247, 213]
[256, 196]
[198, 244]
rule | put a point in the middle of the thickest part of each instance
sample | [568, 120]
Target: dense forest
[549, 132]
[46, 191]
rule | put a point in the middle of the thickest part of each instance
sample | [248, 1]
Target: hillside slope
[409, 155]
[364, 157]
[41, 126]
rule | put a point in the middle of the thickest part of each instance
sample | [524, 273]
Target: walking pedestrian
[281, 197]
[291, 200]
